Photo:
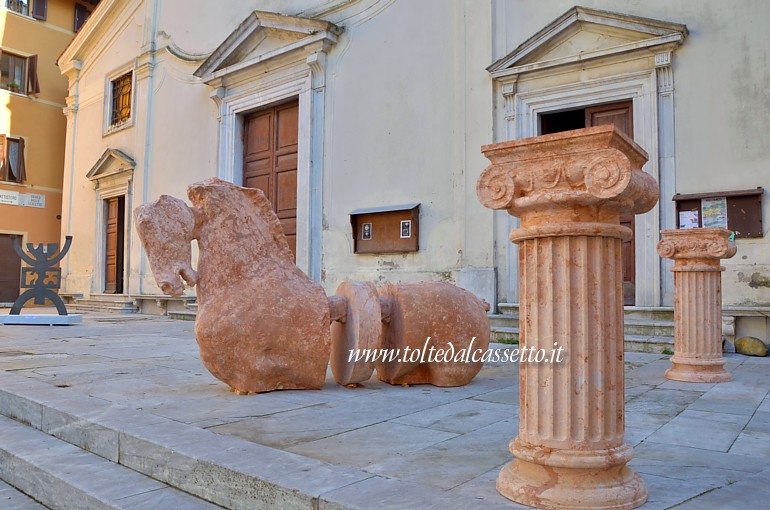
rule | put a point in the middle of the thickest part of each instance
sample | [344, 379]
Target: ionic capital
[592, 167]
[696, 243]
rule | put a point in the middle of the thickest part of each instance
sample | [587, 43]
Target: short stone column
[697, 302]
[570, 190]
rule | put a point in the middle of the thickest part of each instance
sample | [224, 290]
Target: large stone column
[697, 301]
[569, 190]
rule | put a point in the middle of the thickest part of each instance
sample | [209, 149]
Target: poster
[688, 219]
[714, 212]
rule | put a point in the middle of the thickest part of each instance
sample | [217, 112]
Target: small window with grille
[120, 111]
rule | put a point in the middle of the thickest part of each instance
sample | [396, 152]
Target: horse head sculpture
[262, 324]
[170, 238]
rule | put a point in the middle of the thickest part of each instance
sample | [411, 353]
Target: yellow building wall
[39, 119]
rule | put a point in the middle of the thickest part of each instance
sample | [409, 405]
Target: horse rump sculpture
[262, 325]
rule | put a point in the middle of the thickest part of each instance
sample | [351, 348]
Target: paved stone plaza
[131, 389]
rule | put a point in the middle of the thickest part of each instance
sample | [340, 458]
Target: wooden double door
[621, 116]
[270, 140]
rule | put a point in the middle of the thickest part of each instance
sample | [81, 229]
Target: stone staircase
[104, 303]
[68, 450]
[188, 314]
[647, 329]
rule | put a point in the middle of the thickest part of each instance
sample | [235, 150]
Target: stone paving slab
[432, 446]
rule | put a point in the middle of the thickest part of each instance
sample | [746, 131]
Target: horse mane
[258, 200]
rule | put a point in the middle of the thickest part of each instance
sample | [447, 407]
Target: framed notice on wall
[689, 219]
[739, 211]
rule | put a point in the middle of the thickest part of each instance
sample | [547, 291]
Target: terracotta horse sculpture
[262, 324]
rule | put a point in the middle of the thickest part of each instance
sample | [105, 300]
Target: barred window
[121, 100]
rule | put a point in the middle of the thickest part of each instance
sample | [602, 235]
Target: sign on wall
[23, 199]
[32, 200]
[9, 197]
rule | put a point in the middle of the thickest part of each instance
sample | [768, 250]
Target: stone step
[99, 309]
[13, 499]
[504, 335]
[508, 308]
[105, 304]
[503, 319]
[653, 344]
[647, 327]
[656, 313]
[224, 470]
[632, 343]
[192, 306]
[62, 476]
[182, 315]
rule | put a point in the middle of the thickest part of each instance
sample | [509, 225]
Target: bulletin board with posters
[739, 211]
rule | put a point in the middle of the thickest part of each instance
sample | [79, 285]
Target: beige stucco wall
[409, 105]
[383, 154]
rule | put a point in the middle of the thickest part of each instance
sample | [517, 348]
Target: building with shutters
[33, 33]
[356, 116]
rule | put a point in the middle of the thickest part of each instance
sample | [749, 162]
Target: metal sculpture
[41, 278]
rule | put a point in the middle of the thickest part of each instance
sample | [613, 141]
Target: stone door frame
[650, 124]
[236, 102]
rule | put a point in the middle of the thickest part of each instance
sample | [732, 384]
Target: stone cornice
[586, 167]
[650, 35]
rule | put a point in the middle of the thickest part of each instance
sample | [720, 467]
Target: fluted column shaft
[569, 190]
[697, 302]
[571, 290]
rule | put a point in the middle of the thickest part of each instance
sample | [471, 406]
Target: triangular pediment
[112, 162]
[263, 36]
[582, 34]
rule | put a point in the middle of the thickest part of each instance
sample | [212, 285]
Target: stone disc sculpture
[400, 324]
[262, 324]
[361, 329]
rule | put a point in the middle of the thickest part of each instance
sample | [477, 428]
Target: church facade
[362, 121]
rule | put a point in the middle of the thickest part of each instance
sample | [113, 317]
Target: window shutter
[40, 9]
[33, 85]
[21, 172]
[81, 13]
[3, 166]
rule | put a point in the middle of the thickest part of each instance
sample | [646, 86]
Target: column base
[571, 479]
[535, 485]
[698, 370]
